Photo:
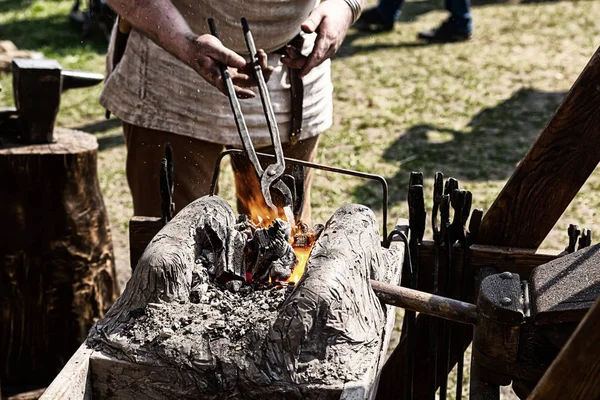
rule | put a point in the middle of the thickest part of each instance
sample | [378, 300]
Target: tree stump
[57, 274]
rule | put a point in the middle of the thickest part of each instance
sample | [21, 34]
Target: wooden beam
[430, 304]
[552, 172]
[141, 232]
[73, 382]
[516, 260]
[574, 372]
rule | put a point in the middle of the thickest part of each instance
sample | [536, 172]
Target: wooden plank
[73, 382]
[574, 372]
[516, 260]
[141, 232]
[30, 395]
[552, 172]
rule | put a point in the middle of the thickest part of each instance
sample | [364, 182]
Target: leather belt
[296, 93]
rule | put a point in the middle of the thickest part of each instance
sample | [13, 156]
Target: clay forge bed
[212, 311]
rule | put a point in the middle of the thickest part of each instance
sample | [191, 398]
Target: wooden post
[552, 172]
[57, 273]
[574, 372]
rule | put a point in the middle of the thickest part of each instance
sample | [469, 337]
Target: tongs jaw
[270, 178]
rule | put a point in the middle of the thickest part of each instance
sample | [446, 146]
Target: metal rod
[236, 109]
[364, 175]
[438, 191]
[266, 103]
[426, 303]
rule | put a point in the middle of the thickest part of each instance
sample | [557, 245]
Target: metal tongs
[271, 176]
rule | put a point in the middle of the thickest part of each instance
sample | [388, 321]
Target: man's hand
[330, 20]
[204, 53]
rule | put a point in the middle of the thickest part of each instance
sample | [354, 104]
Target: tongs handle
[240, 122]
[274, 171]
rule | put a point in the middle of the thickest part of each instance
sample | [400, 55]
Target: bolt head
[506, 301]
[506, 275]
[271, 172]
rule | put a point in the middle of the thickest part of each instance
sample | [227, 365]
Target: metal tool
[446, 234]
[167, 181]
[573, 233]
[378, 178]
[585, 240]
[417, 217]
[269, 177]
[438, 194]
[37, 88]
[462, 289]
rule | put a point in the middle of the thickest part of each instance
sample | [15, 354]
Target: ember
[272, 260]
[250, 252]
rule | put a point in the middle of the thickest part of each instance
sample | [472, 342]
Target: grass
[470, 110]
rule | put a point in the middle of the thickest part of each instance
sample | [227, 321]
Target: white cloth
[152, 89]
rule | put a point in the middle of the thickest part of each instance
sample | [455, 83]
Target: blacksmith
[167, 86]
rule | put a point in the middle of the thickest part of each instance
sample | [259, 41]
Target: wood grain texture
[141, 232]
[575, 371]
[516, 260]
[520, 261]
[73, 382]
[57, 272]
[552, 172]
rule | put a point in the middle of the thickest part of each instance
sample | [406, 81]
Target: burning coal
[251, 253]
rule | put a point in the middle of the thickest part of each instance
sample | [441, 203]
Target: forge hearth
[181, 331]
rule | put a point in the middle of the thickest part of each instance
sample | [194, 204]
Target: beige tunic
[150, 88]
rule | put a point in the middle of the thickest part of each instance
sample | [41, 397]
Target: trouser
[194, 162]
[460, 13]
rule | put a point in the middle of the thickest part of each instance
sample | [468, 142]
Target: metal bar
[438, 192]
[462, 292]
[273, 172]
[267, 106]
[364, 175]
[417, 217]
[240, 122]
[426, 303]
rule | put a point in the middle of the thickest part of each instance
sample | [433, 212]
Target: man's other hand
[330, 20]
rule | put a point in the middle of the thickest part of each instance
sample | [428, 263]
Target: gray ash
[214, 318]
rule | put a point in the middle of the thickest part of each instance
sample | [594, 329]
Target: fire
[302, 253]
[253, 204]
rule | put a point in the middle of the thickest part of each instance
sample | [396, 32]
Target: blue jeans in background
[460, 14]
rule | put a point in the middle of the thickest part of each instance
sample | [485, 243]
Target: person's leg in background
[458, 27]
[460, 15]
[248, 187]
[380, 18]
[193, 160]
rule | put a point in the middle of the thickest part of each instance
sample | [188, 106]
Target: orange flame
[251, 199]
[302, 253]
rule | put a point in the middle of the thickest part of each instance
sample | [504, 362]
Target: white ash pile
[218, 319]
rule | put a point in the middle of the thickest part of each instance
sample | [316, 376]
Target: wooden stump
[57, 273]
